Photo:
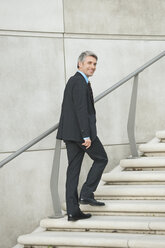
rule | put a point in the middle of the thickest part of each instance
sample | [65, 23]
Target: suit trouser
[75, 153]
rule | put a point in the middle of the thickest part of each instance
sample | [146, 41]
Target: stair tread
[149, 147]
[134, 176]
[160, 134]
[147, 206]
[143, 162]
[94, 239]
[134, 190]
[108, 222]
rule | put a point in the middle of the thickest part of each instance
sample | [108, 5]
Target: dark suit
[78, 118]
[77, 121]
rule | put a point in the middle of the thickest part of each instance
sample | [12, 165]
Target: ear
[80, 64]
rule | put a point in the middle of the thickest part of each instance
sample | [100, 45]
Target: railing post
[54, 181]
[131, 119]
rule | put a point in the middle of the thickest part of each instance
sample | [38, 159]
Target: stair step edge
[87, 239]
[108, 222]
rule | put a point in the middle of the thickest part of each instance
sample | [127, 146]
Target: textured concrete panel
[32, 83]
[25, 195]
[116, 60]
[115, 17]
[38, 15]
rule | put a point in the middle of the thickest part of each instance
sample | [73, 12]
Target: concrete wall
[39, 45]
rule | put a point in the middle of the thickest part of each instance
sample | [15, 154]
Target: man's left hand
[87, 143]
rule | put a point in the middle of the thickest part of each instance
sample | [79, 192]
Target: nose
[93, 66]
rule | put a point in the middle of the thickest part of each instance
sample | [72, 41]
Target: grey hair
[83, 55]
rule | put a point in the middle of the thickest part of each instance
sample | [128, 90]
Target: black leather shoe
[91, 201]
[79, 216]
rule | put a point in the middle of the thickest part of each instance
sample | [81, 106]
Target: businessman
[77, 127]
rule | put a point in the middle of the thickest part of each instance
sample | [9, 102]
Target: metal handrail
[130, 130]
[28, 145]
[96, 99]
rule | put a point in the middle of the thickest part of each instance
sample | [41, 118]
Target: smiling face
[88, 66]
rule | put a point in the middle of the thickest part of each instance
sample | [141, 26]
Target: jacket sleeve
[80, 102]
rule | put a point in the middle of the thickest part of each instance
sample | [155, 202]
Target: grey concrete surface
[38, 15]
[39, 49]
[115, 17]
[25, 195]
[32, 84]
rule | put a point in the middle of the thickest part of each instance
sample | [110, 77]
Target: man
[77, 128]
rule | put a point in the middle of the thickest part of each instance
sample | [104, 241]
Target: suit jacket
[78, 115]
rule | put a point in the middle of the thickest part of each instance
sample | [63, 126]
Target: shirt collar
[86, 78]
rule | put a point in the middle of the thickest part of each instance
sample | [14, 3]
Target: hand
[87, 143]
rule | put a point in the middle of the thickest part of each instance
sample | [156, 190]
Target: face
[88, 66]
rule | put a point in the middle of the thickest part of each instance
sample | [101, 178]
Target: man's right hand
[87, 143]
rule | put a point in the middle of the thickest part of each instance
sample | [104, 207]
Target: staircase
[134, 213]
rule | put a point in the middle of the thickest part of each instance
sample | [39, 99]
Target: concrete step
[93, 239]
[127, 177]
[144, 163]
[151, 149]
[148, 191]
[161, 135]
[155, 140]
[108, 224]
[127, 207]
